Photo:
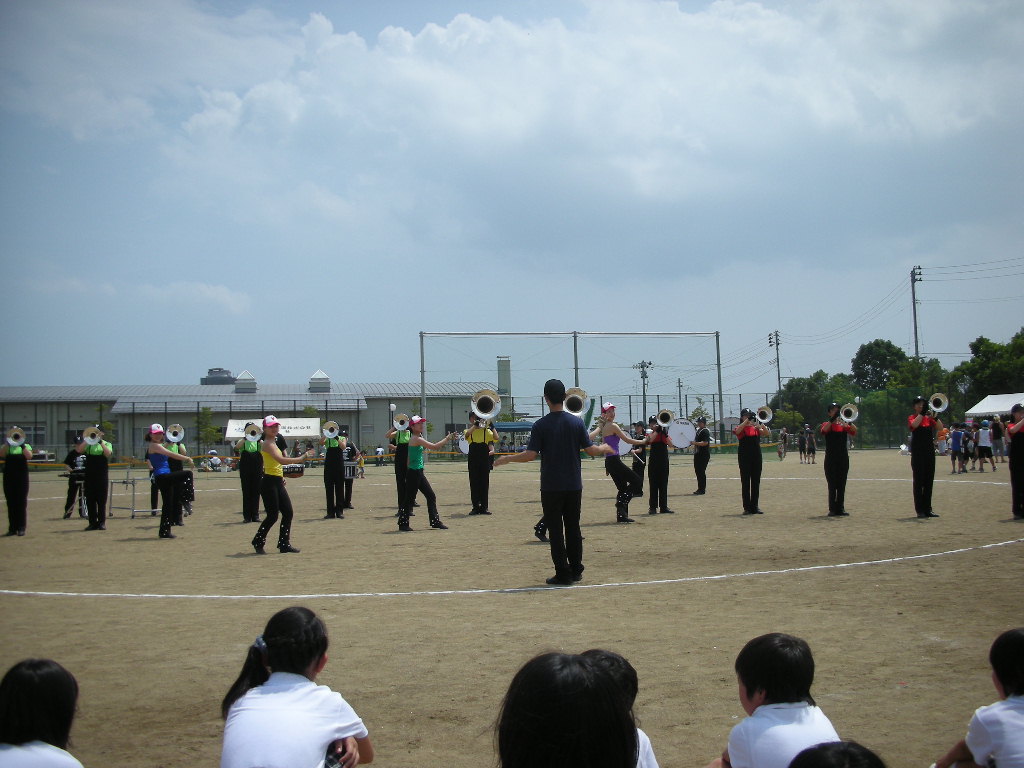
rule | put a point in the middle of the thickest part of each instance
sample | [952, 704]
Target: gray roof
[183, 397]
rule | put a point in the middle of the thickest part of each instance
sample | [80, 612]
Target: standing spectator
[801, 443]
[380, 455]
[956, 441]
[998, 444]
[985, 447]
[812, 448]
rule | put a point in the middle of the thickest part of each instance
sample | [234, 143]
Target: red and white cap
[416, 420]
[156, 428]
[607, 407]
[270, 421]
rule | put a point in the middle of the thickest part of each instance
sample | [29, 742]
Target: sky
[286, 186]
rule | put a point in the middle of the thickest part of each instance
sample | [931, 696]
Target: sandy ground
[427, 628]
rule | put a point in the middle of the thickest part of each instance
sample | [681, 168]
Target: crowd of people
[561, 710]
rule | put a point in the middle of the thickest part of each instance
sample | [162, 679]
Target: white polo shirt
[36, 754]
[776, 733]
[288, 722]
[996, 733]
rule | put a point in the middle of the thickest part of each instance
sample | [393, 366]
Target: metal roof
[350, 396]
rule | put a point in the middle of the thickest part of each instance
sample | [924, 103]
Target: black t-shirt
[559, 437]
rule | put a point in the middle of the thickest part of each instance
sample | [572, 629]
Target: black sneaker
[559, 581]
[284, 549]
[439, 525]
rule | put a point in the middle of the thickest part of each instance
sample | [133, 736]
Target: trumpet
[331, 429]
[665, 417]
[93, 436]
[175, 433]
[401, 422]
[763, 414]
[938, 402]
[15, 437]
[849, 413]
[253, 433]
[575, 401]
[486, 405]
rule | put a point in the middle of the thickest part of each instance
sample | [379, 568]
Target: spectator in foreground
[995, 735]
[37, 704]
[775, 673]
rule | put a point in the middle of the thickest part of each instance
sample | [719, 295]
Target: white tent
[993, 404]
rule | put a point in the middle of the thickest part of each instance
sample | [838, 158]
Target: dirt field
[427, 628]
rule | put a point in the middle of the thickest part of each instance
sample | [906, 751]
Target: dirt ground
[427, 628]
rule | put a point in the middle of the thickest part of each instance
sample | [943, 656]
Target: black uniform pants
[837, 468]
[923, 468]
[700, 469]
[562, 520]
[479, 476]
[276, 504]
[750, 481]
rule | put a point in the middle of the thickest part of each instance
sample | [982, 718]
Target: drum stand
[128, 481]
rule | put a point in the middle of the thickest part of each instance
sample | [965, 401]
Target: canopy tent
[993, 404]
[289, 427]
[512, 426]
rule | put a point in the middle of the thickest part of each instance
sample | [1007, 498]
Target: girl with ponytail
[275, 713]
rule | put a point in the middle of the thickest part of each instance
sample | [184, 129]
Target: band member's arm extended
[521, 457]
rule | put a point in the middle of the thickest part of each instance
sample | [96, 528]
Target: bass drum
[681, 432]
[625, 448]
[463, 444]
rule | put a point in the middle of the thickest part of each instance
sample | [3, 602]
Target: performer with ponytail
[276, 714]
[170, 482]
[624, 478]
[272, 490]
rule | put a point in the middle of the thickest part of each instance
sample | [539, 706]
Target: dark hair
[837, 754]
[37, 703]
[293, 639]
[562, 711]
[554, 391]
[1007, 659]
[619, 668]
[780, 665]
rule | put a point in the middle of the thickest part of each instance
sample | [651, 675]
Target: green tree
[925, 376]
[993, 368]
[699, 410]
[874, 362]
[208, 432]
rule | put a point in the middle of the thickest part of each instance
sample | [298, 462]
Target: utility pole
[679, 399]
[642, 366]
[915, 277]
[773, 341]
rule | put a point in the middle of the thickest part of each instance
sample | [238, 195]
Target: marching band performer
[170, 481]
[481, 439]
[639, 464]
[836, 433]
[400, 439]
[186, 492]
[16, 455]
[352, 455]
[624, 478]
[250, 474]
[748, 455]
[701, 455]
[922, 455]
[334, 475]
[1015, 433]
[275, 498]
[96, 486]
[657, 468]
[415, 480]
